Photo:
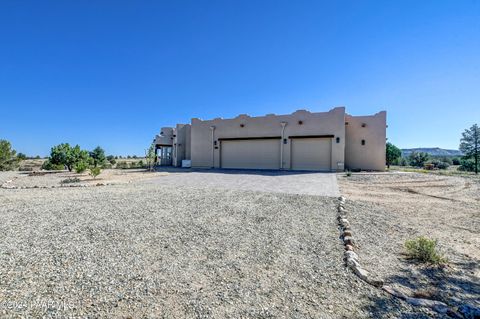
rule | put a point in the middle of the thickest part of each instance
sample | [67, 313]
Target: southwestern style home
[315, 141]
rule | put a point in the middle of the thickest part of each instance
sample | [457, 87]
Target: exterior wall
[205, 135]
[165, 137]
[370, 156]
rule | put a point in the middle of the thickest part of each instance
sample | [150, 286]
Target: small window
[242, 125]
[300, 122]
[363, 142]
[338, 139]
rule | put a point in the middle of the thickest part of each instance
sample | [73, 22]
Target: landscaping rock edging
[5, 186]
[352, 261]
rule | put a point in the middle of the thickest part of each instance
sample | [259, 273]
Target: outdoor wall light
[338, 139]
[242, 125]
[300, 122]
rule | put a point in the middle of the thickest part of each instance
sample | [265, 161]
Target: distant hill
[433, 151]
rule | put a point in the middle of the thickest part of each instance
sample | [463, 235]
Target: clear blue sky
[111, 73]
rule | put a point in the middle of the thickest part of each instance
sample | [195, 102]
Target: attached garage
[311, 153]
[250, 153]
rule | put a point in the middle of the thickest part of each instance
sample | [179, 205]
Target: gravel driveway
[149, 251]
[309, 183]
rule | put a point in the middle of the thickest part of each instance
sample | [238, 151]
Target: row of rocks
[352, 262]
[6, 186]
[351, 257]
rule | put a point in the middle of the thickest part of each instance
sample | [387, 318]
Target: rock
[349, 247]
[353, 264]
[347, 233]
[348, 240]
[351, 254]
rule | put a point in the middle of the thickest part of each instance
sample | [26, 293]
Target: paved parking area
[306, 183]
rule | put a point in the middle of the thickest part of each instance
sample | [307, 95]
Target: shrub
[348, 173]
[81, 167]
[418, 159]
[467, 165]
[140, 163]
[455, 161]
[424, 250]
[429, 166]
[49, 166]
[95, 171]
[70, 180]
[443, 165]
[122, 165]
[402, 161]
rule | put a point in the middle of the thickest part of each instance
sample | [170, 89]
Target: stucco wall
[324, 123]
[370, 156]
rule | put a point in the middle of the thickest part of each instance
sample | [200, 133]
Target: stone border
[352, 262]
[5, 186]
[351, 257]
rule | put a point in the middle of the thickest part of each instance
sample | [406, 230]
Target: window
[363, 142]
[338, 139]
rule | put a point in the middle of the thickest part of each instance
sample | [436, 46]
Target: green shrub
[467, 165]
[81, 167]
[418, 159]
[443, 165]
[95, 171]
[424, 250]
[455, 161]
[49, 166]
[348, 173]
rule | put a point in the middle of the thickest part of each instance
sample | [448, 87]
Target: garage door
[250, 153]
[311, 153]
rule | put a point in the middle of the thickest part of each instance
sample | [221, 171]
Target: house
[303, 140]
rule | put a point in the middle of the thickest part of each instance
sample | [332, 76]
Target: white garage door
[311, 153]
[250, 153]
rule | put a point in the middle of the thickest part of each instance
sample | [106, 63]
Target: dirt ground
[389, 208]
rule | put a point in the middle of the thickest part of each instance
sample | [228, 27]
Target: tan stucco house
[303, 140]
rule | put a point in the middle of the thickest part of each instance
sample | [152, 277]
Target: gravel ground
[148, 251]
[387, 209]
[54, 179]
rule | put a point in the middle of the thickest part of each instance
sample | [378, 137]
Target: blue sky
[111, 73]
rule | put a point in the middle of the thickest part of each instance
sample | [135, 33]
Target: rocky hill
[433, 151]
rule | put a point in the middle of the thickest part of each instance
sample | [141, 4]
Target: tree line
[469, 146]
